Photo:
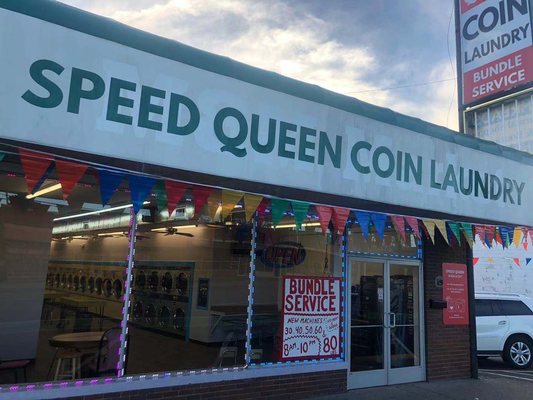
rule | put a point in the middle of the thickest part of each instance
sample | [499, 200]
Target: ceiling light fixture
[102, 211]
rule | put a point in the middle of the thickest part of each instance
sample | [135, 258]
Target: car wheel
[518, 352]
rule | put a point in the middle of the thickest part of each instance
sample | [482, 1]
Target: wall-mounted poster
[202, 301]
[311, 317]
[455, 294]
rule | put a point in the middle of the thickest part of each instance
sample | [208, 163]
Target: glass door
[385, 329]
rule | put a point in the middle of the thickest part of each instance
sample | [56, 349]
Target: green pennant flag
[279, 207]
[454, 227]
[160, 195]
[2, 155]
[467, 229]
[300, 212]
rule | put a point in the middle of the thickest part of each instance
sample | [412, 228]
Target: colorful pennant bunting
[489, 234]
[175, 192]
[69, 174]
[363, 218]
[201, 194]
[251, 203]
[399, 225]
[480, 231]
[279, 206]
[517, 236]
[140, 188]
[262, 208]
[498, 236]
[379, 220]
[214, 206]
[160, 196]
[413, 224]
[230, 198]
[324, 216]
[456, 231]
[300, 212]
[441, 226]
[474, 260]
[109, 182]
[429, 225]
[35, 166]
[339, 218]
[505, 233]
[467, 231]
[517, 261]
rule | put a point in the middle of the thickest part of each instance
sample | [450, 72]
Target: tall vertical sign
[495, 47]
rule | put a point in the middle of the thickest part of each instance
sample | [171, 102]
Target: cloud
[339, 46]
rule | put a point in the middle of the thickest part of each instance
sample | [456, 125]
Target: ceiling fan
[174, 231]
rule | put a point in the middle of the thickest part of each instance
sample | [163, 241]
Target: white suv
[504, 324]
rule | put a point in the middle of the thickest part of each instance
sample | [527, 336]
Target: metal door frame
[387, 375]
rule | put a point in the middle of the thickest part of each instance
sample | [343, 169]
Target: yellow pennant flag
[430, 226]
[517, 236]
[213, 203]
[229, 199]
[441, 225]
[251, 202]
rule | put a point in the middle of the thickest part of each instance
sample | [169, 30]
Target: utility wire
[403, 86]
[451, 64]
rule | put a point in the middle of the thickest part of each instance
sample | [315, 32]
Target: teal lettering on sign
[241, 133]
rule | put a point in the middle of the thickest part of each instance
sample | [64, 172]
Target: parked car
[504, 324]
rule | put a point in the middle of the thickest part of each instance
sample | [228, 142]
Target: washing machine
[150, 313]
[91, 286]
[83, 283]
[139, 280]
[179, 317]
[164, 316]
[137, 312]
[166, 282]
[152, 281]
[118, 288]
[76, 283]
[98, 285]
[182, 283]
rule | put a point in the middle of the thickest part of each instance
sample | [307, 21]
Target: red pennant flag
[201, 195]
[324, 216]
[525, 245]
[530, 231]
[34, 166]
[69, 174]
[339, 217]
[261, 208]
[475, 260]
[175, 191]
[498, 237]
[516, 261]
[399, 224]
[413, 224]
[479, 230]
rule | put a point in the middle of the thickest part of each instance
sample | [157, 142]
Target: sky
[395, 54]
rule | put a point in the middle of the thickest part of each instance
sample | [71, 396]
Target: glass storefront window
[284, 251]
[62, 271]
[190, 289]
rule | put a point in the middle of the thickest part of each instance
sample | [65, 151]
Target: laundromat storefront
[177, 221]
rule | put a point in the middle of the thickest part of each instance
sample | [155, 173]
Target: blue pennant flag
[505, 234]
[109, 182]
[379, 220]
[140, 187]
[364, 221]
[528, 260]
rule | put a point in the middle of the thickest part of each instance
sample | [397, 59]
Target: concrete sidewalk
[487, 387]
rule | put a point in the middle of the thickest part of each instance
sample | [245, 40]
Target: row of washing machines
[161, 297]
[104, 282]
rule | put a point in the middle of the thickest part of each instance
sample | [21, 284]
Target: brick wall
[298, 386]
[447, 347]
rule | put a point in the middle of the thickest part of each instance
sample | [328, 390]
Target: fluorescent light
[111, 233]
[102, 211]
[49, 189]
[294, 225]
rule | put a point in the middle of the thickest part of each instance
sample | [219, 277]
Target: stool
[65, 357]
[15, 365]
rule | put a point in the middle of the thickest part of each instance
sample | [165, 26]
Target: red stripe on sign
[469, 4]
[503, 74]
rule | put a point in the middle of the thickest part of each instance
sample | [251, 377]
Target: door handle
[393, 320]
[502, 322]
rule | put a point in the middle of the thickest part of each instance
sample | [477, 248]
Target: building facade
[175, 223]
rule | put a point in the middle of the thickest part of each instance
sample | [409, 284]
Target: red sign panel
[455, 294]
[311, 318]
